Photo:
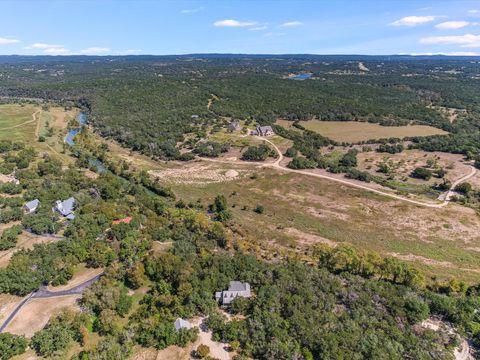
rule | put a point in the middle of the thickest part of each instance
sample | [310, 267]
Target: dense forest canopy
[147, 102]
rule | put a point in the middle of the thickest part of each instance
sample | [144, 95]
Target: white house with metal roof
[236, 288]
[66, 207]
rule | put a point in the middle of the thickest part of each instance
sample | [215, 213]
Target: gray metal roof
[32, 205]
[238, 286]
[182, 324]
[66, 207]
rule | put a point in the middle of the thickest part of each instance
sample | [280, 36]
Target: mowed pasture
[27, 122]
[18, 122]
[355, 131]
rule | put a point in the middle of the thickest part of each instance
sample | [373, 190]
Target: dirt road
[277, 165]
[34, 118]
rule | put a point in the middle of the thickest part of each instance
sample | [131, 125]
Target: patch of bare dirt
[25, 241]
[36, 313]
[427, 261]
[197, 174]
[7, 305]
[304, 238]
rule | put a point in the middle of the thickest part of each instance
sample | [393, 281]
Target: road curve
[43, 292]
[276, 165]
[15, 311]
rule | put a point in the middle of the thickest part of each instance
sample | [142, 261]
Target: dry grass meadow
[355, 131]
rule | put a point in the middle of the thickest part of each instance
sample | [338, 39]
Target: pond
[82, 120]
[304, 76]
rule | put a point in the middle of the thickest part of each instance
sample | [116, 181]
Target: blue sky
[250, 26]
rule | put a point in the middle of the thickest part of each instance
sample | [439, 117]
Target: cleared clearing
[25, 241]
[355, 131]
[36, 313]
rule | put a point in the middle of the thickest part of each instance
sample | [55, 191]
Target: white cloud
[43, 46]
[474, 11]
[465, 41]
[233, 23]
[191, 11]
[292, 24]
[413, 20]
[57, 51]
[451, 25]
[6, 41]
[95, 50]
[258, 28]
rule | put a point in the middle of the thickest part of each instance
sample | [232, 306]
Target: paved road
[43, 292]
[15, 311]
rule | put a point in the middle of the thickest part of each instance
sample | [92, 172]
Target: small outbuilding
[235, 126]
[235, 289]
[31, 206]
[182, 324]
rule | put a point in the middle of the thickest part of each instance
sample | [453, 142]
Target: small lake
[82, 120]
[300, 76]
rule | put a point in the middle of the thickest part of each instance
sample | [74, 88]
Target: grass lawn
[355, 131]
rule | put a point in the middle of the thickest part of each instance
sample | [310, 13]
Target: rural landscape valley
[231, 206]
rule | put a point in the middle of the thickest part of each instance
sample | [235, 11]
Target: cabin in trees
[262, 131]
[31, 206]
[65, 208]
[182, 324]
[236, 288]
[235, 126]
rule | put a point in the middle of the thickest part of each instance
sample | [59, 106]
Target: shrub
[302, 163]
[259, 209]
[258, 153]
[11, 345]
[422, 173]
[463, 188]
[203, 351]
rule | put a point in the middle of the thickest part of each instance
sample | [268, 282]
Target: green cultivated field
[16, 122]
[354, 131]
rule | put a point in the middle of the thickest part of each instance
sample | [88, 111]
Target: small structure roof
[66, 207]
[32, 205]
[182, 324]
[126, 220]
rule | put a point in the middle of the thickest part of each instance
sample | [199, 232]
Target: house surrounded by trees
[236, 288]
[262, 131]
[65, 208]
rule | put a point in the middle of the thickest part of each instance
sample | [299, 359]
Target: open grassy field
[301, 211]
[27, 122]
[354, 131]
[402, 165]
